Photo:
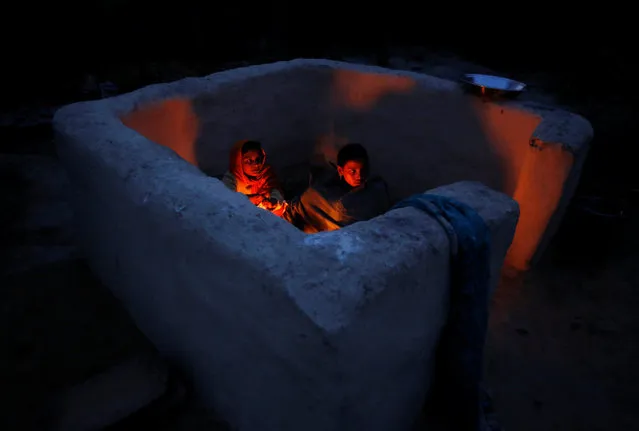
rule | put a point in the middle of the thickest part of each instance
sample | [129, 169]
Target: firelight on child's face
[252, 162]
[353, 172]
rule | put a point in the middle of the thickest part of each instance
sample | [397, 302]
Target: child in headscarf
[250, 175]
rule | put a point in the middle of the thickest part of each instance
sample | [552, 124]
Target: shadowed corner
[15, 211]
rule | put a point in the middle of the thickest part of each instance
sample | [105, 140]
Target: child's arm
[292, 211]
[277, 195]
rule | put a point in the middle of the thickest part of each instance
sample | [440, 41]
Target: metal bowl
[490, 85]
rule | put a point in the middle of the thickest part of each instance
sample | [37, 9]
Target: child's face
[252, 162]
[353, 172]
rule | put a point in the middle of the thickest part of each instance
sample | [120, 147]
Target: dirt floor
[562, 346]
[562, 340]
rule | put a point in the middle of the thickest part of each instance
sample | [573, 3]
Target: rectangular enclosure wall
[421, 132]
[278, 330]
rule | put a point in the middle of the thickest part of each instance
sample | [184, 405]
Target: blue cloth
[458, 370]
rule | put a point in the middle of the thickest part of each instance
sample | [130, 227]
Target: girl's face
[252, 162]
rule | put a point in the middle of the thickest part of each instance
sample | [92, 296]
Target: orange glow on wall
[362, 91]
[508, 132]
[538, 191]
[171, 123]
[533, 175]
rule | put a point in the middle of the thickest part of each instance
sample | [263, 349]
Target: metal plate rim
[518, 86]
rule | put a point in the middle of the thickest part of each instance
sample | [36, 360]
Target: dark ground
[563, 338]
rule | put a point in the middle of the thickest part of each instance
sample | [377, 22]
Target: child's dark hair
[352, 152]
[251, 146]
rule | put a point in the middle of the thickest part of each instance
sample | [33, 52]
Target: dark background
[586, 58]
[585, 54]
[588, 53]
[50, 47]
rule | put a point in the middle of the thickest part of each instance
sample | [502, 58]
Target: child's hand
[268, 204]
[280, 208]
[256, 199]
